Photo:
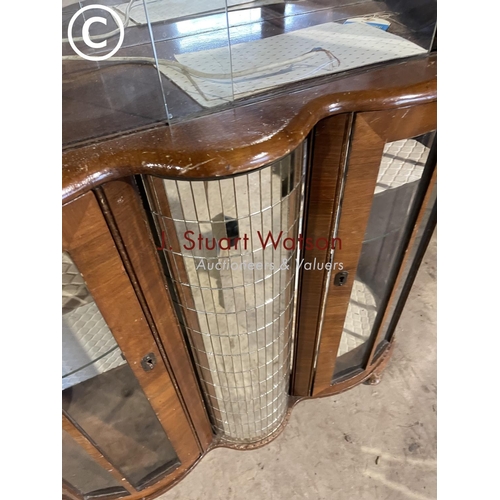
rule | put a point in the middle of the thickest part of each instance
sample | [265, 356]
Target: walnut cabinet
[219, 271]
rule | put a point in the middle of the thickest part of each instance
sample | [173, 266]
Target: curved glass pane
[399, 176]
[387, 329]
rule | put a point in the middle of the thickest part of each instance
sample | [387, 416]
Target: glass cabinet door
[117, 396]
[398, 180]
[378, 176]
[101, 395]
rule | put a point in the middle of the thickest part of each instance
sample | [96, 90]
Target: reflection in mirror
[235, 288]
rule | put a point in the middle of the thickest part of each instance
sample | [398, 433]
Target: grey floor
[369, 443]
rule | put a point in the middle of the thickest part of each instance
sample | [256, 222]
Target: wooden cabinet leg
[376, 376]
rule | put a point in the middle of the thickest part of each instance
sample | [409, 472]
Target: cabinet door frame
[129, 224]
[87, 239]
[353, 200]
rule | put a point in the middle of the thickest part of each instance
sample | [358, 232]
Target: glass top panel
[182, 59]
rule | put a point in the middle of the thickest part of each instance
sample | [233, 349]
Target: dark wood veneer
[93, 452]
[132, 226]
[330, 142]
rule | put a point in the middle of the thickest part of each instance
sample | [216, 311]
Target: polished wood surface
[245, 138]
[364, 159]
[330, 141]
[357, 378]
[132, 225]
[87, 239]
[371, 131]
[392, 102]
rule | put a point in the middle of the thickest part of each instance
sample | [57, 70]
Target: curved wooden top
[246, 137]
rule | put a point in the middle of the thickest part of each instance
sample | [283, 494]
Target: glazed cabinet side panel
[89, 243]
[371, 132]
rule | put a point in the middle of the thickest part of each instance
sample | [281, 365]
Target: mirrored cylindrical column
[231, 249]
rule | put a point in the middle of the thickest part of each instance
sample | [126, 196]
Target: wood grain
[330, 139]
[93, 452]
[88, 241]
[371, 131]
[132, 224]
[248, 137]
[70, 493]
[101, 100]
[234, 141]
[364, 159]
[359, 377]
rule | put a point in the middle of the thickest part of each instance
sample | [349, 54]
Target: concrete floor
[370, 443]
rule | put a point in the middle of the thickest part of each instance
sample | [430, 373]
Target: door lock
[340, 278]
[148, 362]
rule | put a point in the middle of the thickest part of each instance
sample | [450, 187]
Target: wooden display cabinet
[376, 215]
[350, 160]
[126, 427]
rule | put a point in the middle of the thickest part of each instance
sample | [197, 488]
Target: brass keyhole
[148, 362]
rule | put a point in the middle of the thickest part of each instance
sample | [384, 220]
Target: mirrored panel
[101, 394]
[231, 249]
[400, 174]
